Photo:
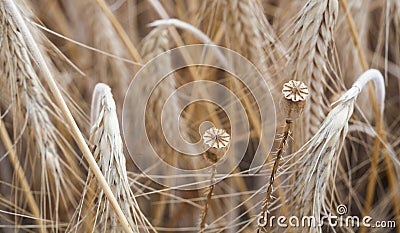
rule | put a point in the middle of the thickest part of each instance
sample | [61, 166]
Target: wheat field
[200, 116]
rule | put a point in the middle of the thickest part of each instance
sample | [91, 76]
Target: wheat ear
[313, 36]
[243, 34]
[28, 93]
[244, 27]
[36, 54]
[108, 152]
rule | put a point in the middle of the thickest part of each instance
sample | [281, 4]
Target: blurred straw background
[46, 181]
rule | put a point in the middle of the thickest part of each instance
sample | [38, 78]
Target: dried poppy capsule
[295, 94]
[217, 140]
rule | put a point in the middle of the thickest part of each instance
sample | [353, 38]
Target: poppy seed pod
[217, 141]
[294, 99]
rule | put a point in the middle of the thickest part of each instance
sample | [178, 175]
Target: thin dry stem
[281, 147]
[20, 174]
[210, 189]
[120, 30]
